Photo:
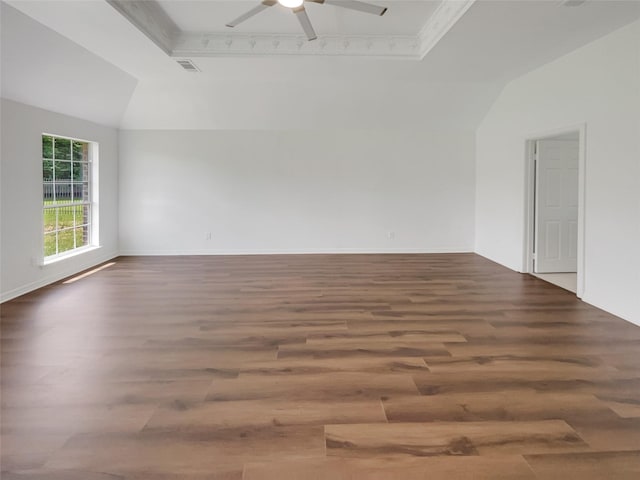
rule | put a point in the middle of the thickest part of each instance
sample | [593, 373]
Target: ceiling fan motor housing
[297, 7]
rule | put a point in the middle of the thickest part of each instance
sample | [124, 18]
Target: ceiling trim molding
[440, 22]
[151, 19]
[216, 45]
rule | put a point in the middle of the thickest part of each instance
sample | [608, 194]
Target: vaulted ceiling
[424, 63]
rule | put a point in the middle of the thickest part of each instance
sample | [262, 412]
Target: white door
[556, 208]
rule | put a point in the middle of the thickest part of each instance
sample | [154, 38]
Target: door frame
[529, 198]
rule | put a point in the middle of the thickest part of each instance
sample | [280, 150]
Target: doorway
[554, 248]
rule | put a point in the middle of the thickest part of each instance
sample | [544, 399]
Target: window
[67, 195]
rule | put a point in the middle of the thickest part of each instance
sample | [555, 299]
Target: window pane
[82, 236]
[63, 149]
[49, 244]
[47, 170]
[85, 192]
[80, 215]
[49, 219]
[80, 151]
[85, 215]
[78, 172]
[47, 147]
[65, 217]
[47, 192]
[65, 240]
[63, 192]
[63, 170]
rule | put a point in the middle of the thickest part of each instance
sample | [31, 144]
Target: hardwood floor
[316, 367]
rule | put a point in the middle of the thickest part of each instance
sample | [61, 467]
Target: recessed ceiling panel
[402, 17]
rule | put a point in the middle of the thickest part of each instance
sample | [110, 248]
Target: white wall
[205, 102]
[21, 196]
[296, 191]
[599, 85]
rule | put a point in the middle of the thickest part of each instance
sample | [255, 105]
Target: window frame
[91, 203]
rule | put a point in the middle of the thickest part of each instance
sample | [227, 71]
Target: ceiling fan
[297, 7]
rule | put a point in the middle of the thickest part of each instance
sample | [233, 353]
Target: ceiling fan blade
[355, 5]
[301, 13]
[254, 11]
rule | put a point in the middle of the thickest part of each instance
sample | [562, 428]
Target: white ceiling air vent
[572, 3]
[188, 65]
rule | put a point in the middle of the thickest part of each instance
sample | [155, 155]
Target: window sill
[71, 254]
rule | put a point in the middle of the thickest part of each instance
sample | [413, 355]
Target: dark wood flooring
[316, 367]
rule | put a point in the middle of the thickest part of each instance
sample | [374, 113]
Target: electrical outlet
[391, 235]
[207, 236]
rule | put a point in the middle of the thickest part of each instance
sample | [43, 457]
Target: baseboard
[48, 280]
[628, 316]
[316, 251]
[498, 262]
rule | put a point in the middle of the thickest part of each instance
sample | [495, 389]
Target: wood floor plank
[593, 381]
[511, 405]
[549, 345]
[358, 338]
[78, 419]
[22, 461]
[61, 475]
[622, 361]
[445, 438]
[625, 406]
[192, 450]
[481, 363]
[567, 331]
[623, 465]
[384, 468]
[322, 387]
[32, 443]
[362, 365]
[97, 392]
[402, 321]
[253, 414]
[604, 434]
[364, 349]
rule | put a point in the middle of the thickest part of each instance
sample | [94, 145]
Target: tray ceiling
[402, 18]
[186, 28]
